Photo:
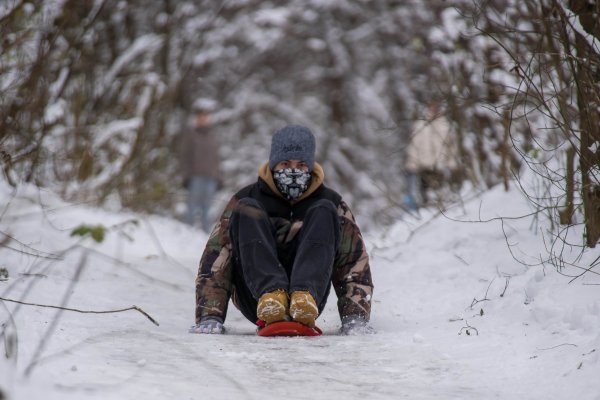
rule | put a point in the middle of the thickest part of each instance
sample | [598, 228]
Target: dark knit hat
[293, 142]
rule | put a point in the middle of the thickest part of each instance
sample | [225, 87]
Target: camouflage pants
[262, 265]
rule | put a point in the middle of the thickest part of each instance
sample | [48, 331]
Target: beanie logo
[292, 147]
[292, 142]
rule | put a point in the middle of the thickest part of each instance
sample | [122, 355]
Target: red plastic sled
[286, 328]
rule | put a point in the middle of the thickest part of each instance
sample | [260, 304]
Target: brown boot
[303, 308]
[273, 306]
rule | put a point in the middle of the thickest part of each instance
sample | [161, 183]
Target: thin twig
[467, 329]
[505, 286]
[558, 345]
[84, 311]
[485, 297]
[35, 252]
[586, 270]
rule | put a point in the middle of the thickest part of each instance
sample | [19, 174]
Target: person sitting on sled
[281, 243]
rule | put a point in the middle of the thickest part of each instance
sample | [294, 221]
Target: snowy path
[532, 336]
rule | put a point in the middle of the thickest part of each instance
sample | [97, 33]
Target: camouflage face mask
[291, 182]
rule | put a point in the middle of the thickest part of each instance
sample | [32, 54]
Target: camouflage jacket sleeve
[213, 282]
[351, 272]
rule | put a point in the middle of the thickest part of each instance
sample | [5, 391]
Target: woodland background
[94, 94]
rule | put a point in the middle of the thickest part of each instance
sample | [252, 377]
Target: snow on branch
[147, 44]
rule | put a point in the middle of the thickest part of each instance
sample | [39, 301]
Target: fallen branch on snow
[136, 308]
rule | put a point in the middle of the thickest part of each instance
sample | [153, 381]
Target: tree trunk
[505, 149]
[588, 98]
[566, 214]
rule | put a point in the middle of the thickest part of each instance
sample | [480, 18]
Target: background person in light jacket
[431, 157]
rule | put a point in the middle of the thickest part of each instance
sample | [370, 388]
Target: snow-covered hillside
[462, 310]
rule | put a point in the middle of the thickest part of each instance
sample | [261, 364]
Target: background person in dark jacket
[199, 160]
[281, 243]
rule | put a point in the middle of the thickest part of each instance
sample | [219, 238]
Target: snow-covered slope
[461, 310]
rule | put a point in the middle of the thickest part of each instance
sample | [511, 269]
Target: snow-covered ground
[458, 315]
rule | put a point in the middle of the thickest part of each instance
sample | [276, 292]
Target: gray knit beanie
[293, 142]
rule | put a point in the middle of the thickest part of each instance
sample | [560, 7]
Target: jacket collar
[317, 179]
